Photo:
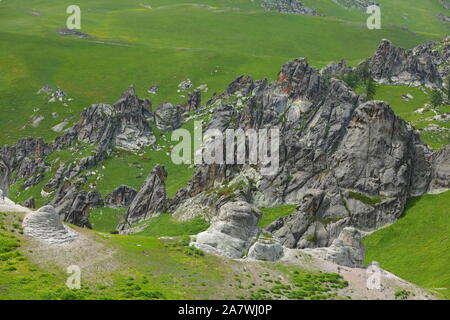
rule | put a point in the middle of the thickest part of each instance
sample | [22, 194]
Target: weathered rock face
[347, 250]
[391, 64]
[74, 206]
[287, 7]
[346, 162]
[168, 117]
[440, 173]
[194, 100]
[30, 203]
[150, 201]
[4, 178]
[45, 225]
[123, 124]
[120, 197]
[266, 250]
[356, 4]
[334, 69]
[232, 232]
[25, 158]
[73, 169]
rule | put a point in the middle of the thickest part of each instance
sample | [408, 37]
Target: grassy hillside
[147, 268]
[417, 247]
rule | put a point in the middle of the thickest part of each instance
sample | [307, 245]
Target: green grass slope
[146, 268]
[417, 247]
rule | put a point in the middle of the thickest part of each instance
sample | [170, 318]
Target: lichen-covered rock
[232, 232]
[45, 225]
[347, 250]
[150, 201]
[120, 197]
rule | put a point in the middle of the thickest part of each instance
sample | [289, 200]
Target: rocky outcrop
[440, 173]
[266, 249]
[73, 169]
[346, 162]
[391, 64]
[232, 232]
[4, 178]
[356, 4]
[168, 117]
[445, 3]
[150, 201]
[25, 158]
[45, 225]
[347, 250]
[194, 100]
[30, 203]
[120, 197]
[287, 7]
[74, 206]
[123, 125]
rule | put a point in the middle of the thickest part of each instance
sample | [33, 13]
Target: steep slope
[416, 247]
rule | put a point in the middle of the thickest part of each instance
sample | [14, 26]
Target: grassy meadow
[416, 247]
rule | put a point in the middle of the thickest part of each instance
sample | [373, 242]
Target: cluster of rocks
[124, 125]
[347, 250]
[74, 205]
[288, 7]
[445, 3]
[26, 159]
[356, 4]
[424, 65]
[346, 162]
[121, 197]
[54, 95]
[168, 117]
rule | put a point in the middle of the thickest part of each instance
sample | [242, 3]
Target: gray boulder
[150, 201]
[266, 250]
[45, 225]
[231, 232]
[347, 250]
